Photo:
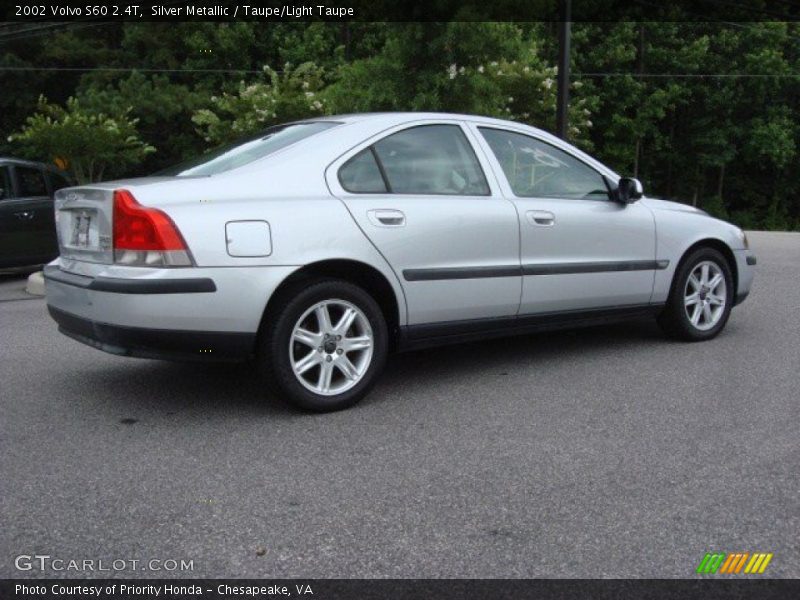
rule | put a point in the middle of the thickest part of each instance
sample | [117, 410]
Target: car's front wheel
[701, 298]
[326, 346]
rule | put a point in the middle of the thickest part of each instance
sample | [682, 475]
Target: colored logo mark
[734, 563]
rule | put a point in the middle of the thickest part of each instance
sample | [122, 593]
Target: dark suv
[27, 226]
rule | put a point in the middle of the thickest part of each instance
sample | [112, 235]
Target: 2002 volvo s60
[319, 246]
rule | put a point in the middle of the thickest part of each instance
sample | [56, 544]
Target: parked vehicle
[27, 227]
[319, 246]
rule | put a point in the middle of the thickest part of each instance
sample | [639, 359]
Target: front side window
[535, 169]
[5, 184]
[31, 182]
[58, 181]
[430, 159]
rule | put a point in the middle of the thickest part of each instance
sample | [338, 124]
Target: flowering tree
[292, 93]
[93, 145]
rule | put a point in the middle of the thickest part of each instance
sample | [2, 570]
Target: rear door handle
[541, 218]
[383, 217]
[25, 215]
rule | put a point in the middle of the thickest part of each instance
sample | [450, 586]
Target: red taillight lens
[137, 227]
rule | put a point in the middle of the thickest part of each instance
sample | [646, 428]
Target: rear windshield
[247, 150]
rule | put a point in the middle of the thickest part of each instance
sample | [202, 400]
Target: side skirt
[414, 337]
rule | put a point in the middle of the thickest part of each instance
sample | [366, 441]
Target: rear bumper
[155, 343]
[195, 314]
[116, 285]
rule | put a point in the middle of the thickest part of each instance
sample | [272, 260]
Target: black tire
[274, 347]
[675, 320]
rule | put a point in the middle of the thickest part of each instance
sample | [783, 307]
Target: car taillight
[146, 237]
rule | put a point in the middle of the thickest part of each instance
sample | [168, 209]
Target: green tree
[94, 145]
[288, 95]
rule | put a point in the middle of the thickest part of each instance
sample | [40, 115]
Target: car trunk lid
[84, 223]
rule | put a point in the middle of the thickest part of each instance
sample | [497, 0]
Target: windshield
[247, 150]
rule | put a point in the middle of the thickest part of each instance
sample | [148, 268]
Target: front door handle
[383, 217]
[541, 218]
[25, 215]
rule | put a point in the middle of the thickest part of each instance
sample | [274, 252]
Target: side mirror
[629, 190]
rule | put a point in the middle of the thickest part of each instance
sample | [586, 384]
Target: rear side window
[31, 182]
[361, 174]
[537, 169]
[431, 159]
[425, 160]
[5, 184]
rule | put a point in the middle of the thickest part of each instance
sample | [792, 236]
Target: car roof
[398, 118]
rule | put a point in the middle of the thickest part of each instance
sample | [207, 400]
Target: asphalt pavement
[607, 452]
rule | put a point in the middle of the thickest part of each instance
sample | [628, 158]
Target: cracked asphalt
[607, 452]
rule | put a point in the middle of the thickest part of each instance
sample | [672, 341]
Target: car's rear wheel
[701, 297]
[326, 346]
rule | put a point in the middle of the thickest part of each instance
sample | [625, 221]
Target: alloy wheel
[705, 295]
[331, 347]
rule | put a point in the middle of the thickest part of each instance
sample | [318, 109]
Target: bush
[92, 145]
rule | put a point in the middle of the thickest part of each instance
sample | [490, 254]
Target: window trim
[370, 145]
[603, 176]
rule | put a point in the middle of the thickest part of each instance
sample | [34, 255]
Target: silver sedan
[317, 247]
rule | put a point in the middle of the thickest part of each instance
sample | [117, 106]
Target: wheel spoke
[691, 299]
[341, 345]
[363, 342]
[346, 321]
[309, 338]
[695, 318]
[693, 281]
[325, 375]
[715, 281]
[347, 368]
[707, 316]
[307, 362]
[323, 319]
[715, 299]
[704, 274]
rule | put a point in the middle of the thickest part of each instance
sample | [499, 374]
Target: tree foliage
[93, 145]
[705, 113]
[288, 95]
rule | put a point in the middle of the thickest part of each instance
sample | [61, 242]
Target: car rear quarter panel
[307, 224]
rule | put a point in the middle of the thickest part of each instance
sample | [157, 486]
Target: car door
[580, 250]
[421, 195]
[27, 234]
[19, 241]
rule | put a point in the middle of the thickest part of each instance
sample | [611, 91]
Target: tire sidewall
[278, 351]
[677, 306]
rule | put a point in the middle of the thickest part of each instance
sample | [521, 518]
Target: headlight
[743, 236]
